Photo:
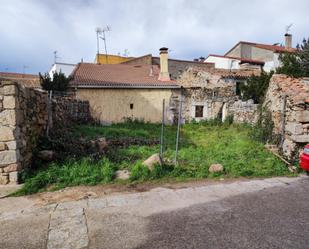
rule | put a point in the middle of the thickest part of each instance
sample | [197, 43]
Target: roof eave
[124, 86]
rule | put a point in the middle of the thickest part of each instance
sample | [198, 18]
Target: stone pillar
[9, 132]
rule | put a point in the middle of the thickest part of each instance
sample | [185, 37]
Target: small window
[131, 106]
[199, 109]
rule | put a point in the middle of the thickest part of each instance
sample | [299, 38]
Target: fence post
[162, 130]
[283, 120]
[178, 127]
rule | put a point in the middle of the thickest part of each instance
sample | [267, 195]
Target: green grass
[200, 146]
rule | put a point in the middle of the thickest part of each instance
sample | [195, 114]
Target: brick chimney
[288, 40]
[164, 74]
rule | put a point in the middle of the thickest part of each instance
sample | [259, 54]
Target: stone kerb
[9, 132]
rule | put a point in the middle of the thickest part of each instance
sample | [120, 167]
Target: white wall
[61, 67]
[224, 63]
[272, 65]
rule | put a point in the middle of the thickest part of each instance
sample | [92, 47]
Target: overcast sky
[30, 30]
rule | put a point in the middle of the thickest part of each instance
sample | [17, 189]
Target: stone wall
[68, 110]
[243, 111]
[288, 101]
[24, 117]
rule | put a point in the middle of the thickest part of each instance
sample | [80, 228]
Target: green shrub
[139, 172]
[262, 131]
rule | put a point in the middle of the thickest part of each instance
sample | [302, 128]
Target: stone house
[288, 100]
[118, 92]
[214, 93]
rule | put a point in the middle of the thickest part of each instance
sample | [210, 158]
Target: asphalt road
[255, 214]
[272, 218]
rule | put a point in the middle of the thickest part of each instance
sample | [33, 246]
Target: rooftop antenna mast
[55, 56]
[288, 28]
[24, 69]
[101, 35]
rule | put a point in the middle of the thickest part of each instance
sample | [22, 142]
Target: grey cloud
[30, 30]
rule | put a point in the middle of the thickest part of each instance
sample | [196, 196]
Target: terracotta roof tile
[297, 89]
[118, 76]
[234, 73]
[28, 80]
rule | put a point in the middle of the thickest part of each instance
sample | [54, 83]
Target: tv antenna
[288, 28]
[56, 56]
[101, 35]
[24, 69]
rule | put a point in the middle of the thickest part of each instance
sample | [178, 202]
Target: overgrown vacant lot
[200, 146]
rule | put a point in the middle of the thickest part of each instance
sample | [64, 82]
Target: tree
[290, 65]
[59, 82]
[256, 87]
[295, 64]
[304, 56]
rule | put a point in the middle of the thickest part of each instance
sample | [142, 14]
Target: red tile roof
[227, 73]
[274, 48]
[28, 80]
[118, 76]
[18, 75]
[236, 58]
[297, 89]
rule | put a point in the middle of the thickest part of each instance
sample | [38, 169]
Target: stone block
[4, 179]
[12, 167]
[8, 117]
[11, 145]
[288, 147]
[2, 146]
[9, 102]
[294, 128]
[300, 138]
[302, 116]
[13, 177]
[8, 157]
[8, 89]
[7, 133]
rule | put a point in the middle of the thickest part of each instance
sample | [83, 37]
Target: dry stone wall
[24, 117]
[244, 111]
[288, 101]
[22, 120]
[68, 110]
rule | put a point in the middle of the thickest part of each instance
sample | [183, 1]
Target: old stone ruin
[214, 93]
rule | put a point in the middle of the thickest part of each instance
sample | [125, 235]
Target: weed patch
[201, 145]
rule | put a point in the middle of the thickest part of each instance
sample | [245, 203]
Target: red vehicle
[304, 159]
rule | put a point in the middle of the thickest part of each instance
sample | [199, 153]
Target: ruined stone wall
[287, 99]
[24, 116]
[243, 111]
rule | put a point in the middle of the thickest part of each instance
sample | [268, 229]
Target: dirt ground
[84, 192]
